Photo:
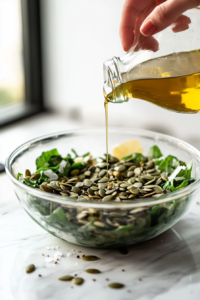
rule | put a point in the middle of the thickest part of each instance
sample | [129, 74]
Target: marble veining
[166, 267]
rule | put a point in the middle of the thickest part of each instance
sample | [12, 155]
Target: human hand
[143, 18]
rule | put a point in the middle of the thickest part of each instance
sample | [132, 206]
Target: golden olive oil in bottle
[171, 82]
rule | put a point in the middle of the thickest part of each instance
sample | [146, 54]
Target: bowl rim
[70, 201]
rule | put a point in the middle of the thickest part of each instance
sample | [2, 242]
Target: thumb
[165, 14]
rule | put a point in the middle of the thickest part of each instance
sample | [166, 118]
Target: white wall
[78, 36]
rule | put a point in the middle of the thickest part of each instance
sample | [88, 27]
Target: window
[20, 60]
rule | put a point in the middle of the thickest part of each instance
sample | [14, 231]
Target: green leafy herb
[44, 158]
[19, 175]
[136, 156]
[78, 166]
[69, 159]
[154, 152]
[54, 160]
[189, 170]
[169, 164]
[75, 153]
[67, 169]
[86, 154]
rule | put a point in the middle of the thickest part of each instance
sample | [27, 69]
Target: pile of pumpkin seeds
[117, 180]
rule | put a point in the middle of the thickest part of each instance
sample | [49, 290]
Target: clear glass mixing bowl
[124, 223]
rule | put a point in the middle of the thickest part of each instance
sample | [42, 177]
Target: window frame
[32, 58]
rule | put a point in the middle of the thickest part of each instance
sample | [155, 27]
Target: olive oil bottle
[172, 82]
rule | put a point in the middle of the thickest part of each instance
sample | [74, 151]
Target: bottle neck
[112, 80]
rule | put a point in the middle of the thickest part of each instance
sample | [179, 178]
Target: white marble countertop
[166, 267]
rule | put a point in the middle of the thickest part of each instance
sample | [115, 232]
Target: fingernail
[148, 28]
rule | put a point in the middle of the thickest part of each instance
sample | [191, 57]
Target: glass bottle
[168, 77]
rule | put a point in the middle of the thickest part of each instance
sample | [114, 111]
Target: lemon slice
[127, 148]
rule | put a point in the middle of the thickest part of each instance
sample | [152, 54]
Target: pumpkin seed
[137, 184]
[137, 210]
[158, 181]
[103, 165]
[45, 189]
[102, 186]
[130, 173]
[147, 177]
[110, 191]
[132, 180]
[30, 268]
[92, 169]
[118, 175]
[81, 177]
[79, 184]
[107, 198]
[116, 285]
[82, 215]
[158, 190]
[87, 182]
[66, 278]
[89, 257]
[137, 171]
[75, 172]
[92, 271]
[151, 170]
[99, 224]
[77, 280]
[94, 188]
[124, 185]
[103, 180]
[73, 195]
[102, 173]
[101, 192]
[164, 177]
[157, 195]
[74, 179]
[35, 176]
[131, 196]
[87, 173]
[76, 190]
[134, 190]
[27, 173]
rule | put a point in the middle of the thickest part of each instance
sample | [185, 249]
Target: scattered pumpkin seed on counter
[82, 178]
[90, 257]
[30, 268]
[92, 271]
[66, 278]
[77, 280]
[115, 285]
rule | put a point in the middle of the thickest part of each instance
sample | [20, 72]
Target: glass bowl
[109, 224]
